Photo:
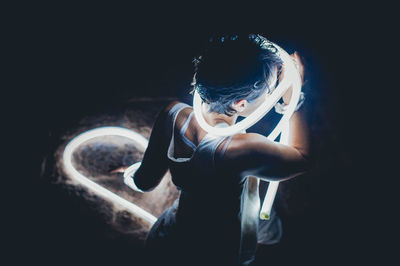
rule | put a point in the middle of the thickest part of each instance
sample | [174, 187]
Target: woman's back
[217, 212]
[208, 215]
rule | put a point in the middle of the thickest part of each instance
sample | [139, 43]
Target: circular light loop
[291, 79]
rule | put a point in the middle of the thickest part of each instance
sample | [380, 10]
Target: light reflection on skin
[252, 106]
[290, 84]
[291, 77]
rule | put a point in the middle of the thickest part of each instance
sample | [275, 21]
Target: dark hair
[233, 68]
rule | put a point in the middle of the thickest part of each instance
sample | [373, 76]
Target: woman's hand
[121, 169]
[300, 67]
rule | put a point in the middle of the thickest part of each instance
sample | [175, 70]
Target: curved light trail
[93, 186]
[291, 78]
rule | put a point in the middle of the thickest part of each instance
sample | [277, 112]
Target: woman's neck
[214, 118]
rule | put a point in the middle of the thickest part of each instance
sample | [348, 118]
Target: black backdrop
[73, 60]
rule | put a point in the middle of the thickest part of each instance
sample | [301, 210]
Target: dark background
[70, 61]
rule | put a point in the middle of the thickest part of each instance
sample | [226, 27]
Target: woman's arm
[155, 163]
[255, 155]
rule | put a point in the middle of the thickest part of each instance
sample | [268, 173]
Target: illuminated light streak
[291, 78]
[128, 176]
[265, 212]
[93, 186]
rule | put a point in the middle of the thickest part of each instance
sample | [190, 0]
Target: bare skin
[247, 154]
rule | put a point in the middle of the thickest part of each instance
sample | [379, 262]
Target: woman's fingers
[118, 170]
[299, 64]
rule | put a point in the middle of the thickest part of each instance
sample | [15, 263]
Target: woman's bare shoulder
[169, 105]
[186, 110]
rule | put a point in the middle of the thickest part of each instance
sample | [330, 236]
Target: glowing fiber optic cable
[98, 132]
[265, 212]
[291, 78]
[128, 176]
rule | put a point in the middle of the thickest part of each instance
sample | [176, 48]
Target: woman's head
[236, 68]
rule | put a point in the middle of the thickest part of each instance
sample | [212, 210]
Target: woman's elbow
[147, 181]
[281, 172]
[299, 168]
[140, 182]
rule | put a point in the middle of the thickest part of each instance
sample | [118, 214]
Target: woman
[205, 226]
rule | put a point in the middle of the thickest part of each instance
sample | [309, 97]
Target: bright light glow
[128, 176]
[291, 78]
[93, 186]
[265, 212]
